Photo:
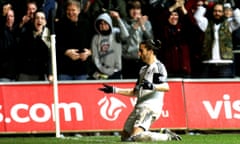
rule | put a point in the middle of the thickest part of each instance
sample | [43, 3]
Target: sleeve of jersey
[160, 76]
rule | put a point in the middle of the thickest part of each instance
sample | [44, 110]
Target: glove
[147, 85]
[107, 89]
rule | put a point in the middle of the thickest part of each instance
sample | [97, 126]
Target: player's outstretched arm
[162, 87]
[122, 91]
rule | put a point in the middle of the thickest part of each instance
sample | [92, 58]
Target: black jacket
[8, 53]
[71, 35]
[33, 54]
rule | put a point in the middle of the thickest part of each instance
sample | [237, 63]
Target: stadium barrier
[190, 104]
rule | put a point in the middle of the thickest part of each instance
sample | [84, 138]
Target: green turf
[187, 139]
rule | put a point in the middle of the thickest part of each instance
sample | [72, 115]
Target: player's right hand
[147, 85]
[107, 88]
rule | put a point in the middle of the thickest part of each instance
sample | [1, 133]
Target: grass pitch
[187, 139]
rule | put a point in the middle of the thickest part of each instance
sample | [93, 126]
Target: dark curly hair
[152, 44]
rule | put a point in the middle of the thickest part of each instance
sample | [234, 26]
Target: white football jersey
[151, 98]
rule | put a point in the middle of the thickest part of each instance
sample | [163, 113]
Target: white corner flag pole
[55, 85]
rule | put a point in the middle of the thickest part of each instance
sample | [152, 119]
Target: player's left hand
[147, 85]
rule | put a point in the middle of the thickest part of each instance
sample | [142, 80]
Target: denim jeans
[218, 71]
[72, 77]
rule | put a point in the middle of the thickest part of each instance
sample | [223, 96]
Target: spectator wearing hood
[106, 46]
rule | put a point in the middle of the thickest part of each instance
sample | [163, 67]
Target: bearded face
[218, 13]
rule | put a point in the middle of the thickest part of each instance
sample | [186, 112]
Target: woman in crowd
[175, 52]
[34, 51]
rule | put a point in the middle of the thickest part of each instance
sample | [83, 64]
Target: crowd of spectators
[99, 39]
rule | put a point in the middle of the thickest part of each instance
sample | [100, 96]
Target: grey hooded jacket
[107, 49]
